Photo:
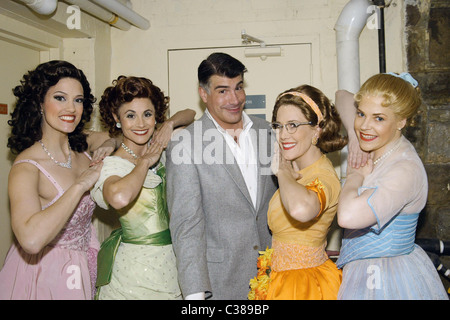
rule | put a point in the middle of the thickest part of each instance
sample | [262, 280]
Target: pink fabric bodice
[76, 234]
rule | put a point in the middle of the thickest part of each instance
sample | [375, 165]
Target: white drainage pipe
[348, 27]
[125, 13]
[44, 7]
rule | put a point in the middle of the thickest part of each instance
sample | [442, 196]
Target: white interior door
[264, 80]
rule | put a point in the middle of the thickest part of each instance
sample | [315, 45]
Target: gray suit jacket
[216, 230]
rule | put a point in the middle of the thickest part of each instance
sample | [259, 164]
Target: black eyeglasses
[290, 127]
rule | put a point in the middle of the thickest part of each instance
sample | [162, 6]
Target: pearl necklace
[67, 164]
[129, 151]
[387, 153]
[154, 168]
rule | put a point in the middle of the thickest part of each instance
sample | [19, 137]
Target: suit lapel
[262, 156]
[236, 175]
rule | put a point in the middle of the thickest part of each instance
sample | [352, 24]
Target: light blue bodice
[394, 239]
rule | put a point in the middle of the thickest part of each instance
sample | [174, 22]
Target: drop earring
[118, 125]
[314, 140]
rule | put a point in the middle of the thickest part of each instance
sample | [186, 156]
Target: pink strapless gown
[65, 269]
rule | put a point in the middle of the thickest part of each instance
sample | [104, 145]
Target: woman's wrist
[144, 162]
[170, 123]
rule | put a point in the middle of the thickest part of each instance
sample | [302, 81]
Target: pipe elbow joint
[352, 19]
[44, 7]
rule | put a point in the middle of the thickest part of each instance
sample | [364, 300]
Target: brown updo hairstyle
[125, 89]
[330, 138]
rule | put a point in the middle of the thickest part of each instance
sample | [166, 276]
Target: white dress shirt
[244, 152]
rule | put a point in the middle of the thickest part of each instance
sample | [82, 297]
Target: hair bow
[407, 77]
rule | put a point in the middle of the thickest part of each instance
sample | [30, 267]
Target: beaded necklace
[129, 151]
[67, 164]
[387, 153]
[154, 168]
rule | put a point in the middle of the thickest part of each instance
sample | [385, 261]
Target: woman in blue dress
[381, 200]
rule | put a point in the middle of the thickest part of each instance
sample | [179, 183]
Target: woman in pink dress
[54, 252]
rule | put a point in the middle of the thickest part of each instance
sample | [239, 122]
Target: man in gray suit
[219, 184]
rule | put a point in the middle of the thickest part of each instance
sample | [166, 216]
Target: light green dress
[137, 261]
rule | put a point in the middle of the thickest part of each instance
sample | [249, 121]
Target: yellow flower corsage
[260, 284]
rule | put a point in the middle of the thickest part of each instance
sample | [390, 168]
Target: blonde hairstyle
[399, 95]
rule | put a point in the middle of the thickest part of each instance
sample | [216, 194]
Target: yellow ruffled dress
[300, 267]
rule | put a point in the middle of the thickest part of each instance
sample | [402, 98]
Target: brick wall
[428, 59]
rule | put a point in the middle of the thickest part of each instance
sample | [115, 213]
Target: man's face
[225, 100]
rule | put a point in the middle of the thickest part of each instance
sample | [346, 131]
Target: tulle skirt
[406, 277]
[315, 283]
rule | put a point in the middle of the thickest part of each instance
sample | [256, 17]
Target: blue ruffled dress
[382, 262]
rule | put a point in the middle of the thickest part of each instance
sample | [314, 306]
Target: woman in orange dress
[301, 211]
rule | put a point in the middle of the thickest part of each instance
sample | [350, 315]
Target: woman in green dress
[137, 261]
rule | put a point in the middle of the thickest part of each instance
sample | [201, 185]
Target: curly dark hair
[125, 89]
[330, 139]
[26, 117]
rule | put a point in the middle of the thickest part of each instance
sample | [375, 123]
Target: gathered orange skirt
[315, 283]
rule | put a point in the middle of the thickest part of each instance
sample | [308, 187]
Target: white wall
[206, 23]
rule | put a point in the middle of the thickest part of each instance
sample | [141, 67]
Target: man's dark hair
[220, 64]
